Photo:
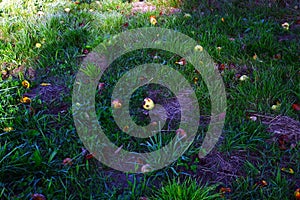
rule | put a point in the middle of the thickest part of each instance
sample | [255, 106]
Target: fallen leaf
[90, 156]
[221, 67]
[146, 168]
[117, 103]
[288, 170]
[296, 107]
[85, 51]
[195, 80]
[297, 194]
[125, 25]
[182, 61]
[261, 183]
[223, 191]
[38, 197]
[277, 56]
[25, 100]
[25, 84]
[45, 84]
[153, 20]
[67, 161]
[8, 129]
[255, 57]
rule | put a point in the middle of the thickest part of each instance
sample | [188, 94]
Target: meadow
[254, 46]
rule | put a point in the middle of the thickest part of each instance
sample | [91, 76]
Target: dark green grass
[31, 156]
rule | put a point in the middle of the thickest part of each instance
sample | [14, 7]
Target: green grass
[44, 134]
[186, 190]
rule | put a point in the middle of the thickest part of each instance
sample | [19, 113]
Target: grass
[43, 133]
[187, 190]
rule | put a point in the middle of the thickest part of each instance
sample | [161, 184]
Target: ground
[255, 48]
